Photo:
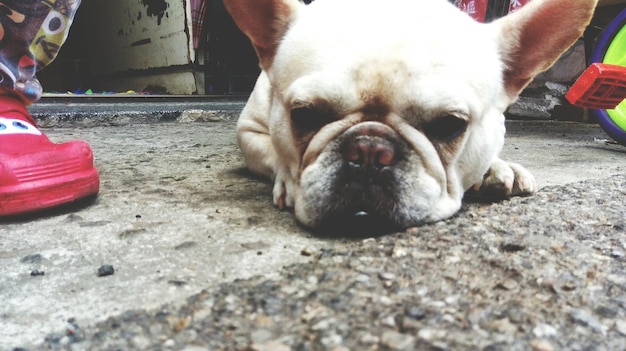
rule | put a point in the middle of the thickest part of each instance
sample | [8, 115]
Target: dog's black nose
[370, 148]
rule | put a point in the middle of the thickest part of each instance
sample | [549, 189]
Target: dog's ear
[534, 37]
[264, 22]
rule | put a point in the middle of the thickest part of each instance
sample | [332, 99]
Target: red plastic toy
[601, 86]
[37, 174]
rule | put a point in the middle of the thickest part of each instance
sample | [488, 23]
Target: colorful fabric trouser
[31, 34]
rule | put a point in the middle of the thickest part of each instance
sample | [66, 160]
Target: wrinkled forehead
[389, 53]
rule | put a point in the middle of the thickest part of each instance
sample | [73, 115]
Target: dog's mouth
[354, 224]
[352, 206]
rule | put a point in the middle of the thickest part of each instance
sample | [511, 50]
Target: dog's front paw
[283, 191]
[503, 180]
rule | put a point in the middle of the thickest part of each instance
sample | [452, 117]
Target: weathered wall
[139, 44]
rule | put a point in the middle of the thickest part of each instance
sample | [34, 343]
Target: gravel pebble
[106, 270]
[620, 326]
[586, 319]
[32, 259]
[541, 345]
[544, 331]
[397, 341]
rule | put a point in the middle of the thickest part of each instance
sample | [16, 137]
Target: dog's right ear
[535, 36]
[265, 22]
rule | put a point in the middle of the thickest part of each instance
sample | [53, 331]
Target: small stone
[140, 342]
[508, 284]
[448, 318]
[194, 348]
[388, 321]
[369, 339]
[543, 330]
[503, 326]
[399, 252]
[363, 278]
[324, 324]
[415, 313]
[513, 247]
[606, 312]
[155, 329]
[619, 280]
[73, 218]
[386, 276]
[437, 304]
[586, 319]
[430, 334]
[106, 270]
[452, 300]
[569, 286]
[64, 341]
[620, 326]
[33, 259]
[260, 336]
[270, 346]
[410, 324]
[385, 300]
[397, 341]
[549, 285]
[262, 321]
[177, 283]
[452, 259]
[541, 345]
[185, 245]
[516, 314]
[331, 341]
[179, 324]
[36, 272]
[306, 252]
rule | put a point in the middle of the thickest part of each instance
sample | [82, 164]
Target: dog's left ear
[265, 22]
[535, 36]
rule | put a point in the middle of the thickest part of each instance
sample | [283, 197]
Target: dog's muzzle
[365, 184]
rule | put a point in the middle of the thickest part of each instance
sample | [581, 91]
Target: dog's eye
[306, 119]
[445, 128]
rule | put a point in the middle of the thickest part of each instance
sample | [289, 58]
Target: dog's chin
[356, 225]
[333, 203]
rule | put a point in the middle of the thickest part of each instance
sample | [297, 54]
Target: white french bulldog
[391, 108]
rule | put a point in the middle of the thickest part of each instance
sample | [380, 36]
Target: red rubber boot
[36, 174]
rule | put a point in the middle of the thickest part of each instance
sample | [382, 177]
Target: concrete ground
[178, 213]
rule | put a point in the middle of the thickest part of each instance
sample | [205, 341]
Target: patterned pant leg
[31, 34]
